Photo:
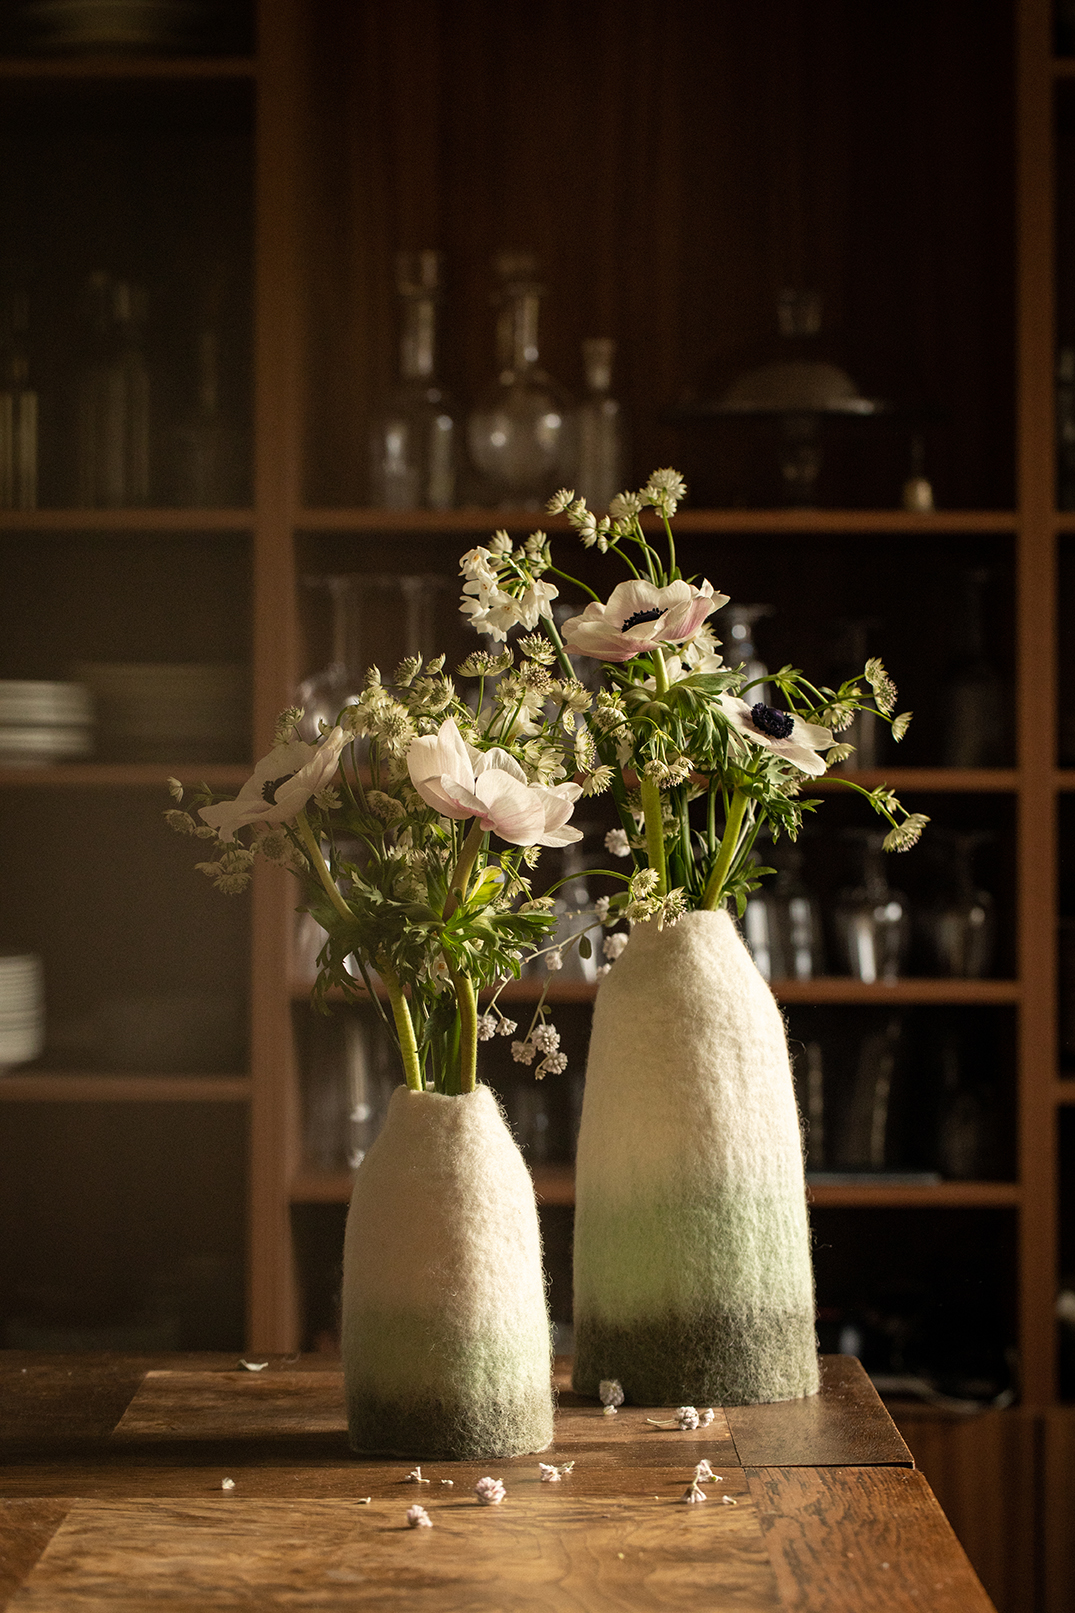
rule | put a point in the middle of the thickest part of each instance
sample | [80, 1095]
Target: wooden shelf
[824, 989]
[477, 519]
[107, 522]
[123, 775]
[555, 1184]
[87, 67]
[936, 1195]
[954, 780]
[838, 989]
[60, 1087]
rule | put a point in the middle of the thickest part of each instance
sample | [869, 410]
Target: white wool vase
[693, 1278]
[446, 1343]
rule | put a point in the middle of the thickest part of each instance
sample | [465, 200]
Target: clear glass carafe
[735, 627]
[976, 696]
[18, 408]
[871, 921]
[599, 475]
[113, 400]
[782, 924]
[958, 927]
[413, 437]
[522, 436]
[209, 457]
[377, 618]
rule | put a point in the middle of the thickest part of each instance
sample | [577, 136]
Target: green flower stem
[313, 851]
[673, 569]
[651, 808]
[467, 1001]
[660, 670]
[714, 889]
[408, 1047]
[457, 885]
[552, 634]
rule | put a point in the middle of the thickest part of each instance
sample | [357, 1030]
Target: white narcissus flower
[639, 615]
[461, 782]
[280, 785]
[791, 738]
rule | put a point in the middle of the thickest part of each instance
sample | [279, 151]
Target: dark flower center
[270, 787]
[767, 720]
[651, 615]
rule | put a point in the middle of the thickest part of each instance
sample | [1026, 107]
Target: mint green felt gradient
[733, 1248]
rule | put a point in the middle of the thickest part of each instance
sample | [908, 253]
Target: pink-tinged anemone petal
[510, 809]
[498, 758]
[559, 803]
[280, 785]
[637, 616]
[434, 758]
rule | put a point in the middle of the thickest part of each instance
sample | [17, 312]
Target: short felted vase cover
[446, 1345]
[693, 1280]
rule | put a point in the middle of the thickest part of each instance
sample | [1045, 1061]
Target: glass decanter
[378, 618]
[735, 626]
[958, 927]
[782, 923]
[209, 465]
[976, 697]
[18, 408]
[867, 730]
[413, 438]
[522, 435]
[599, 474]
[871, 921]
[113, 400]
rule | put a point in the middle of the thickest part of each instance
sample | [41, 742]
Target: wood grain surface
[872, 1540]
[106, 1505]
[845, 1424]
[546, 1546]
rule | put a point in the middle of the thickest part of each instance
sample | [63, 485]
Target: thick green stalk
[660, 670]
[313, 851]
[467, 1002]
[408, 1047]
[714, 889]
[651, 808]
[457, 885]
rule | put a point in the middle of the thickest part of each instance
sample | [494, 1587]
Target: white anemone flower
[280, 785]
[794, 740]
[639, 615]
[459, 781]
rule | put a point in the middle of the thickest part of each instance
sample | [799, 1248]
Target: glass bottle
[600, 471]
[113, 400]
[866, 731]
[18, 410]
[871, 920]
[413, 437]
[782, 923]
[522, 436]
[736, 625]
[208, 450]
[1065, 428]
[958, 927]
[976, 698]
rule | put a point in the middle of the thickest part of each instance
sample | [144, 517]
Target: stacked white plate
[163, 712]
[22, 1008]
[44, 722]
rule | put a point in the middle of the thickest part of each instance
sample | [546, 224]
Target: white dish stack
[161, 712]
[44, 722]
[22, 1008]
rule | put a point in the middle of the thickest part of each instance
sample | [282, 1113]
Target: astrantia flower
[639, 615]
[280, 785]
[616, 841]
[461, 782]
[792, 739]
[490, 1492]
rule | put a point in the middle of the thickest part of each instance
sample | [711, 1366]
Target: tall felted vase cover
[693, 1280]
[446, 1345]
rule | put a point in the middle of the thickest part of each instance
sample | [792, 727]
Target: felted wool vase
[693, 1279]
[446, 1344]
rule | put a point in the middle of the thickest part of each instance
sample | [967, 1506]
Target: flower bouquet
[416, 861]
[693, 1280]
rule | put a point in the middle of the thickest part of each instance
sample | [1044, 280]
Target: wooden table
[113, 1497]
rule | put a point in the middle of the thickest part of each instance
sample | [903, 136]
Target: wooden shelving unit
[323, 229]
